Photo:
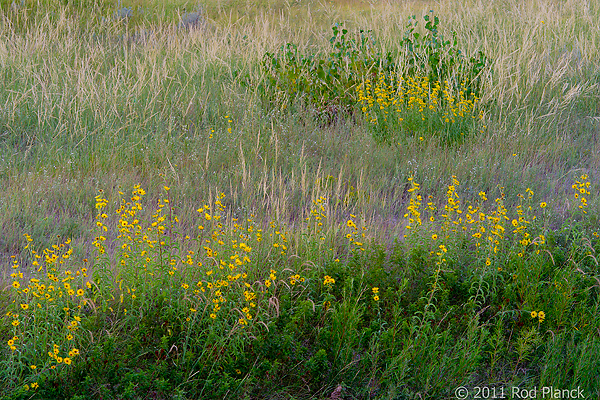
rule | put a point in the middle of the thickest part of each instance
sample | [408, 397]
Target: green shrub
[336, 82]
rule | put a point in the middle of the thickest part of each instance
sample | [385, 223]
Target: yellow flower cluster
[281, 243]
[375, 291]
[272, 278]
[390, 98]
[413, 214]
[65, 285]
[11, 342]
[212, 277]
[452, 207]
[101, 203]
[488, 229]
[52, 288]
[355, 236]
[58, 359]
[540, 315]
[296, 278]
[581, 190]
[317, 216]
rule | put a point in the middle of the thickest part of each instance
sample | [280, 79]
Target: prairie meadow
[299, 199]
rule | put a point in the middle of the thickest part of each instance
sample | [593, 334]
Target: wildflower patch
[428, 83]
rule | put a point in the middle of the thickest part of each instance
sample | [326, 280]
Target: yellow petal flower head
[541, 316]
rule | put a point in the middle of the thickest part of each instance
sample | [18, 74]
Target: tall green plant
[328, 82]
[325, 81]
[431, 54]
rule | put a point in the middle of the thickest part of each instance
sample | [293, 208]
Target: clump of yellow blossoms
[540, 315]
[328, 281]
[581, 191]
[416, 103]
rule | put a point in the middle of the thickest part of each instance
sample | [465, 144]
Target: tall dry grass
[91, 101]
